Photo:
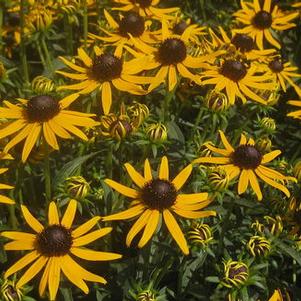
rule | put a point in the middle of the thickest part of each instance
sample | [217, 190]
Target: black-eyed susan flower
[145, 8]
[241, 43]
[236, 273]
[45, 116]
[4, 199]
[261, 22]
[295, 114]
[284, 73]
[52, 247]
[259, 245]
[247, 162]
[236, 79]
[120, 32]
[102, 72]
[171, 57]
[156, 197]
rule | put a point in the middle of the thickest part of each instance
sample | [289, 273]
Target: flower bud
[267, 124]
[264, 145]
[200, 234]
[77, 187]
[236, 273]
[138, 112]
[216, 101]
[9, 291]
[147, 295]
[259, 246]
[157, 132]
[218, 179]
[274, 224]
[42, 85]
[297, 170]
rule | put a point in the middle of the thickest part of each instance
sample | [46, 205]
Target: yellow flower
[51, 248]
[44, 114]
[237, 80]
[283, 73]
[4, 199]
[277, 296]
[102, 72]
[261, 21]
[247, 162]
[157, 197]
[171, 56]
[146, 8]
[241, 43]
[131, 24]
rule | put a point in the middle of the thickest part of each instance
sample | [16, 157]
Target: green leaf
[174, 132]
[289, 251]
[70, 169]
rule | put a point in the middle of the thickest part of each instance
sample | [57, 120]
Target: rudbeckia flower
[156, 197]
[247, 162]
[237, 79]
[53, 247]
[171, 56]
[241, 43]
[130, 24]
[147, 8]
[42, 113]
[261, 22]
[283, 73]
[102, 72]
[4, 199]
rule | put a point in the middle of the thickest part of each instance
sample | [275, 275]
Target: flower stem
[169, 95]
[22, 44]
[47, 174]
[12, 216]
[47, 55]
[1, 24]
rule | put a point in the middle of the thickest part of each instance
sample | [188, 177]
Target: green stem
[85, 23]
[69, 32]
[47, 174]
[47, 55]
[166, 114]
[196, 123]
[23, 56]
[41, 55]
[12, 216]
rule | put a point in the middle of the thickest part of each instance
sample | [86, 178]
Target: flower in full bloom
[156, 197]
[45, 116]
[247, 162]
[261, 21]
[53, 248]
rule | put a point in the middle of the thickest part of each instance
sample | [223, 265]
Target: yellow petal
[135, 176]
[150, 228]
[94, 255]
[53, 215]
[86, 239]
[69, 215]
[182, 177]
[164, 169]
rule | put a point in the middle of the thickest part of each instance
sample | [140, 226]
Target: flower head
[236, 273]
[52, 247]
[247, 162]
[159, 196]
[42, 115]
[261, 20]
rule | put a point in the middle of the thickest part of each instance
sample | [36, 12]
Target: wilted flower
[236, 273]
[200, 233]
[259, 245]
[216, 101]
[218, 179]
[157, 132]
[77, 187]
